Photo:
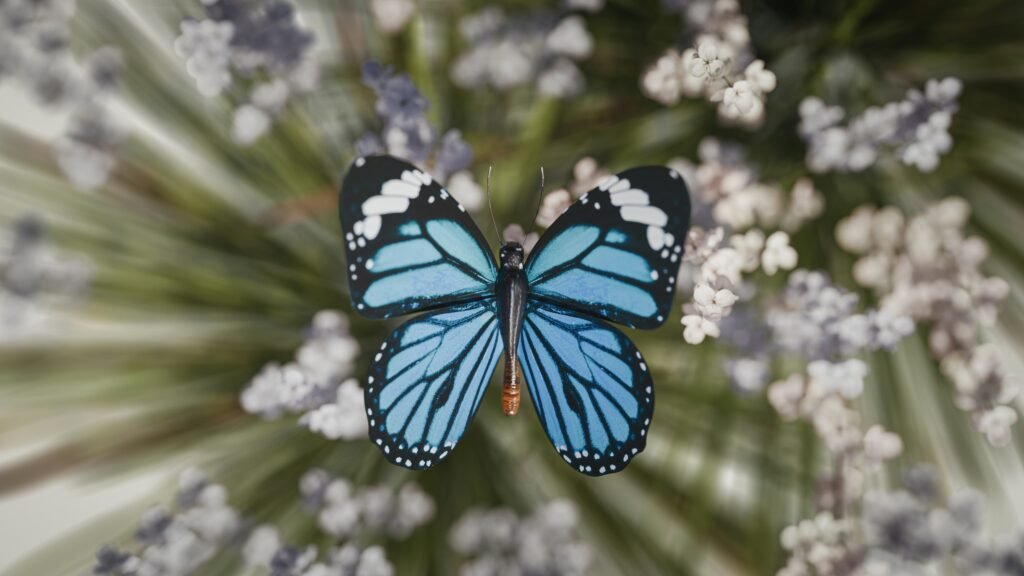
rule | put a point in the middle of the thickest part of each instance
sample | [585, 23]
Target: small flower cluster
[909, 530]
[499, 542]
[811, 319]
[34, 276]
[721, 67]
[758, 217]
[344, 515]
[904, 532]
[823, 397]
[408, 134]
[916, 129]
[818, 321]
[929, 268]
[242, 39]
[506, 52]
[35, 49]
[821, 547]
[178, 541]
[316, 383]
[345, 512]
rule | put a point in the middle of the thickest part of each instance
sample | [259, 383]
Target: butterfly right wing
[616, 252]
[589, 385]
[409, 244]
[427, 380]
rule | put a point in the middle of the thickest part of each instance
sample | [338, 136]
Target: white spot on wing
[371, 227]
[631, 196]
[649, 215]
[378, 205]
[400, 188]
[360, 161]
[620, 186]
[656, 238]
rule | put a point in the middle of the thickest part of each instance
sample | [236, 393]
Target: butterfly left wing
[616, 252]
[590, 388]
[426, 382]
[409, 245]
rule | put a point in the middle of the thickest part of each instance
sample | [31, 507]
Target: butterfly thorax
[511, 290]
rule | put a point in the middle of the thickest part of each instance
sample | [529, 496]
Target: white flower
[343, 419]
[995, 424]
[392, 15]
[86, 167]
[786, 396]
[698, 328]
[881, 445]
[873, 270]
[561, 79]
[250, 124]
[760, 80]
[668, 78]
[749, 247]
[724, 266]
[271, 96]
[806, 203]
[713, 303]
[707, 63]
[816, 117]
[340, 514]
[844, 378]
[206, 46]
[778, 254]
[739, 97]
[854, 233]
[261, 546]
[554, 204]
[570, 38]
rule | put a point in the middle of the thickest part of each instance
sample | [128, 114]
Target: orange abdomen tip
[510, 391]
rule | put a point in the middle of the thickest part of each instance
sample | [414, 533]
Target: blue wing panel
[590, 388]
[426, 382]
[616, 252]
[409, 245]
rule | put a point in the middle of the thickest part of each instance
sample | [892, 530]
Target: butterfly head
[512, 255]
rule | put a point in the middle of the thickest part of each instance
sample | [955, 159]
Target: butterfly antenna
[490, 208]
[540, 197]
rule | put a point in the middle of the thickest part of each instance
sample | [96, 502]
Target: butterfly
[612, 256]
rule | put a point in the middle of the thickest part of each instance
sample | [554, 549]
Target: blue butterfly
[613, 255]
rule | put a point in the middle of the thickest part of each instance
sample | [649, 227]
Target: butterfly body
[613, 256]
[511, 290]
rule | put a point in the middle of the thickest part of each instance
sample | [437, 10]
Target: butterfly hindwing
[589, 385]
[426, 381]
[616, 252]
[409, 244]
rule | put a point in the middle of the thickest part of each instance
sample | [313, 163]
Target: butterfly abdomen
[510, 388]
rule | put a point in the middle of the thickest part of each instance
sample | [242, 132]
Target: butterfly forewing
[409, 245]
[616, 252]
